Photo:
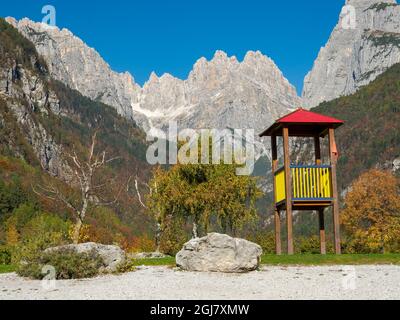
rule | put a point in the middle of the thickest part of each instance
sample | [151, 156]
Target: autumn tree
[197, 192]
[372, 211]
[85, 171]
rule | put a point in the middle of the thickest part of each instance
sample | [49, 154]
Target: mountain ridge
[364, 43]
[222, 86]
[43, 120]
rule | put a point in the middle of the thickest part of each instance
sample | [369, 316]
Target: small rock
[147, 255]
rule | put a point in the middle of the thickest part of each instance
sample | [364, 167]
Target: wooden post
[321, 217]
[278, 243]
[336, 219]
[277, 214]
[317, 145]
[322, 231]
[288, 182]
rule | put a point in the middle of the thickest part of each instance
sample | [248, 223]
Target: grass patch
[299, 259]
[316, 259]
[7, 268]
[167, 261]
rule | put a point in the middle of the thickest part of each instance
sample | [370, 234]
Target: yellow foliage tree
[12, 236]
[372, 212]
[84, 234]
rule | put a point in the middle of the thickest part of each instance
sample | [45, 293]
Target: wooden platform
[307, 204]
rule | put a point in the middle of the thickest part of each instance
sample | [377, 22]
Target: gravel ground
[272, 283]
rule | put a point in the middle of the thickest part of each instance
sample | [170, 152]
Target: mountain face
[364, 43]
[370, 137]
[79, 67]
[42, 119]
[24, 96]
[217, 93]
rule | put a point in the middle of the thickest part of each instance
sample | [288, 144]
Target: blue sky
[170, 35]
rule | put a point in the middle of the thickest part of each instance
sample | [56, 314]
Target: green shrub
[173, 236]
[11, 196]
[308, 245]
[354, 246]
[31, 248]
[68, 264]
[22, 215]
[311, 245]
[42, 231]
[265, 240]
[128, 265]
[5, 255]
[45, 223]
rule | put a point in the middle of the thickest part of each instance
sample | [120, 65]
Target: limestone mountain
[219, 92]
[370, 137]
[42, 121]
[364, 43]
[216, 94]
[79, 67]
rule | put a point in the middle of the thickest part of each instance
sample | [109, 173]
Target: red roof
[303, 123]
[304, 116]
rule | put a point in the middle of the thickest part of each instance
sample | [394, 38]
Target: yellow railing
[280, 186]
[308, 183]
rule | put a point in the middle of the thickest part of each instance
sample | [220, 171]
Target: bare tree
[151, 190]
[89, 195]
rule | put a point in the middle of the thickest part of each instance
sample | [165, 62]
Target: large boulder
[112, 256]
[219, 253]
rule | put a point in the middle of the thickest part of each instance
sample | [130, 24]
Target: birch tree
[151, 189]
[84, 172]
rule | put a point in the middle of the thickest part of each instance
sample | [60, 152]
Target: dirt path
[328, 282]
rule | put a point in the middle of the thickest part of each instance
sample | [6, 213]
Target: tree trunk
[77, 231]
[158, 236]
[194, 231]
[382, 243]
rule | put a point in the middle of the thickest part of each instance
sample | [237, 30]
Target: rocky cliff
[79, 67]
[41, 119]
[42, 122]
[370, 137]
[216, 94]
[25, 98]
[364, 43]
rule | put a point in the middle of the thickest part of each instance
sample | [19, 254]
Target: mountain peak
[78, 66]
[153, 77]
[12, 21]
[368, 2]
[222, 57]
[254, 54]
[356, 53]
[216, 94]
[256, 57]
[26, 22]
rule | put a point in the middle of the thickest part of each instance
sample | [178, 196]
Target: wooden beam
[274, 151]
[322, 231]
[288, 181]
[278, 244]
[317, 145]
[336, 218]
[321, 218]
